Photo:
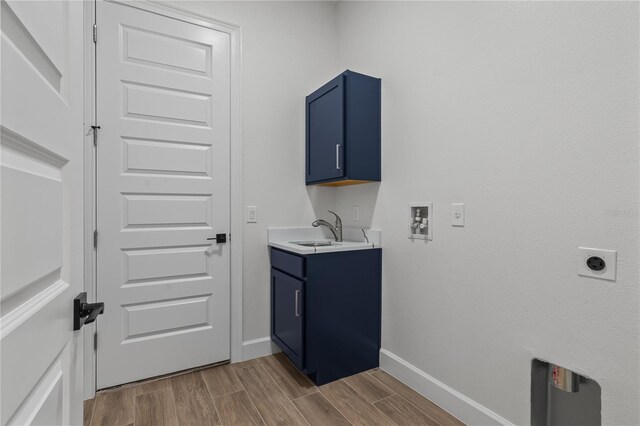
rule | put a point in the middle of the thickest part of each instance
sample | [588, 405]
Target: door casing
[234, 32]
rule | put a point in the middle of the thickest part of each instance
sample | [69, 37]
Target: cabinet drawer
[289, 263]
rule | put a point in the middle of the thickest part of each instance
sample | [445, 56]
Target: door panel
[163, 189]
[325, 132]
[166, 105]
[41, 154]
[159, 157]
[165, 51]
[147, 319]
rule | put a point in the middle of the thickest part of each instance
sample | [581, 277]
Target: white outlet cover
[609, 257]
[457, 214]
[252, 214]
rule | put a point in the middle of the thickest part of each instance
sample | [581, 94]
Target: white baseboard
[466, 409]
[258, 347]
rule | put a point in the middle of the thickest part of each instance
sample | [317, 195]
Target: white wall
[288, 50]
[528, 113]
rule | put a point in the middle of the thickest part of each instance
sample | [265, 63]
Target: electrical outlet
[597, 263]
[252, 214]
[457, 214]
[356, 213]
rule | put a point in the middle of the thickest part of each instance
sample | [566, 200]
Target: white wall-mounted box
[421, 221]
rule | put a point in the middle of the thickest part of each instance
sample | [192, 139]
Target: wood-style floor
[268, 390]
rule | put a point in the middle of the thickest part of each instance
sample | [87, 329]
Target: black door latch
[220, 238]
[83, 312]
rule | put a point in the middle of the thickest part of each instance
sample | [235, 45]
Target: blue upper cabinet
[343, 131]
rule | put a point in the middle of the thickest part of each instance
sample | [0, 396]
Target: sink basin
[323, 243]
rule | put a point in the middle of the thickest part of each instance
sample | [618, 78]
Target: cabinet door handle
[297, 313]
[338, 156]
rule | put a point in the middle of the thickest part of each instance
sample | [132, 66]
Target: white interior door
[41, 157]
[163, 93]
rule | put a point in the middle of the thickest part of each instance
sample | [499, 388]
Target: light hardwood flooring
[268, 390]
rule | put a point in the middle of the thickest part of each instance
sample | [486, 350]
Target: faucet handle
[338, 220]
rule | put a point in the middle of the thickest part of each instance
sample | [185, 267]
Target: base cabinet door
[288, 315]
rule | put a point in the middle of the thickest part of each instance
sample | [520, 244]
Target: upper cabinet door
[343, 131]
[325, 132]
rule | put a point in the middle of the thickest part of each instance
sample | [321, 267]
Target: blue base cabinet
[326, 311]
[343, 131]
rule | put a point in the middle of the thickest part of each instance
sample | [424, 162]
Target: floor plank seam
[334, 406]
[253, 404]
[275, 380]
[355, 390]
[215, 407]
[372, 406]
[422, 411]
[283, 391]
[249, 395]
[385, 397]
[213, 399]
[304, 396]
[414, 406]
[302, 415]
[388, 389]
[206, 385]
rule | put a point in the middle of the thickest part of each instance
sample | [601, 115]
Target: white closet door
[163, 192]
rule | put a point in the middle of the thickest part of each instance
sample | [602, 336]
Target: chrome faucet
[335, 230]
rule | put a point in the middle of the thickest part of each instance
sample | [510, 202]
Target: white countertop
[354, 239]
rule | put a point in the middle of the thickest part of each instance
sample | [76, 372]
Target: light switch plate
[457, 214]
[609, 257]
[252, 214]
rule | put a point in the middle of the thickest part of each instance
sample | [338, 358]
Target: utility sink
[323, 243]
[312, 240]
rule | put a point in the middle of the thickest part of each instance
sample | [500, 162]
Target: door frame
[236, 209]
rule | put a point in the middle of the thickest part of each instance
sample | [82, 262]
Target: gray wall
[528, 113]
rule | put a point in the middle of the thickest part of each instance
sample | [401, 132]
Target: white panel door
[41, 158]
[163, 191]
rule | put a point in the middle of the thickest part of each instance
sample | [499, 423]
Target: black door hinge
[95, 341]
[95, 135]
[95, 239]
[95, 33]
